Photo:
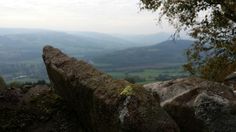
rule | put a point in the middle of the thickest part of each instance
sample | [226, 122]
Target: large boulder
[183, 99]
[37, 110]
[217, 112]
[230, 80]
[169, 89]
[102, 103]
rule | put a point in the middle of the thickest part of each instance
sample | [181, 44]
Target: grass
[151, 75]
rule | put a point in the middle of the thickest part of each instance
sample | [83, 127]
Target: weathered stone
[169, 89]
[217, 112]
[37, 110]
[178, 97]
[102, 103]
[230, 80]
[34, 91]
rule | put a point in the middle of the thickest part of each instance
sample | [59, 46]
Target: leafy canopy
[212, 24]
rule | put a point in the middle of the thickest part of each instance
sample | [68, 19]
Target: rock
[178, 98]
[102, 103]
[231, 76]
[38, 110]
[231, 80]
[169, 89]
[10, 98]
[217, 112]
[35, 91]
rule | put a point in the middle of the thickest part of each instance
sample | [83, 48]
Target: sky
[107, 16]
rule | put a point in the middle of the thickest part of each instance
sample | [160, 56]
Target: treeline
[164, 54]
[160, 77]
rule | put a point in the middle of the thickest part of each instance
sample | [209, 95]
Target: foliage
[15, 84]
[130, 79]
[165, 54]
[144, 76]
[134, 79]
[19, 84]
[2, 83]
[41, 82]
[164, 77]
[210, 22]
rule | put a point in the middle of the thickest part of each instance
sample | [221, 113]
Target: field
[150, 75]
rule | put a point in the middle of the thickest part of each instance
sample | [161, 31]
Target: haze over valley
[21, 50]
[115, 36]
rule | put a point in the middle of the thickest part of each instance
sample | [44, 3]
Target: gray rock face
[170, 89]
[217, 112]
[230, 80]
[102, 103]
[187, 101]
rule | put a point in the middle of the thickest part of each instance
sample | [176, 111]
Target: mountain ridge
[168, 53]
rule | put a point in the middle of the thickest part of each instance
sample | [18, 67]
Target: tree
[2, 84]
[212, 24]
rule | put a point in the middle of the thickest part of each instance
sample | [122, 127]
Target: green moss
[128, 90]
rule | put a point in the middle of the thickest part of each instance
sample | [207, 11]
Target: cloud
[118, 16]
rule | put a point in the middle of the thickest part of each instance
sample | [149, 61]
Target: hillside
[20, 49]
[110, 39]
[25, 44]
[150, 39]
[29, 44]
[168, 53]
[146, 39]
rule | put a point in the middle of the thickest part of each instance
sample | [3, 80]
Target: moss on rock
[102, 103]
[128, 90]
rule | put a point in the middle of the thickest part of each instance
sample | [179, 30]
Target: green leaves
[211, 22]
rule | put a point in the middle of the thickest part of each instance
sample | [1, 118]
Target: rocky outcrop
[217, 112]
[170, 89]
[37, 110]
[230, 80]
[102, 103]
[197, 105]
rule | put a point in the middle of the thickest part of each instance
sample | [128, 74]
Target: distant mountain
[150, 39]
[21, 50]
[168, 53]
[104, 37]
[7, 31]
[27, 44]
[146, 39]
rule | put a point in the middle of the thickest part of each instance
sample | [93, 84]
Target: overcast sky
[108, 16]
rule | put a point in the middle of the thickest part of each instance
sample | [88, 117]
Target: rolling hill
[150, 39]
[146, 39]
[168, 53]
[21, 50]
[27, 44]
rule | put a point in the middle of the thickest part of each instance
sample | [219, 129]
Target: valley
[131, 57]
